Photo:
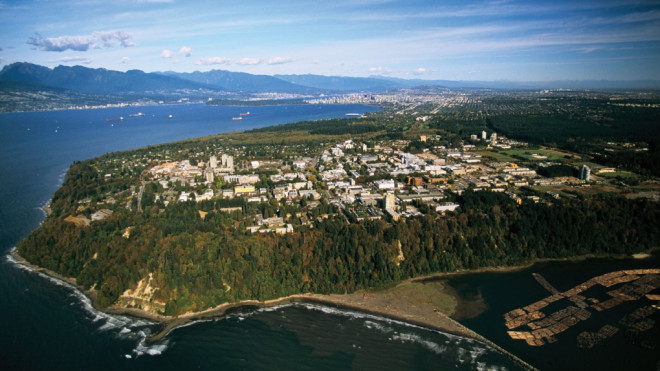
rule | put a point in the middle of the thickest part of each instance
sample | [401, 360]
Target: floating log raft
[546, 285]
[633, 285]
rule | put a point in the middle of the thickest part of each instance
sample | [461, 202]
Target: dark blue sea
[48, 325]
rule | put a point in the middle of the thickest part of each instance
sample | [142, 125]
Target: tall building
[210, 177]
[227, 162]
[484, 135]
[585, 173]
[389, 201]
[493, 139]
[213, 161]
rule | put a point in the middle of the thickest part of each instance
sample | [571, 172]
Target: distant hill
[245, 82]
[27, 96]
[99, 80]
[27, 86]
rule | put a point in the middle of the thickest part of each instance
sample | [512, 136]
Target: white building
[447, 206]
[385, 184]
[493, 139]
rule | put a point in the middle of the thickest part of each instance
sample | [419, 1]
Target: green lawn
[552, 155]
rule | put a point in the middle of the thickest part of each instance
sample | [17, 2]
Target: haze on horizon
[425, 39]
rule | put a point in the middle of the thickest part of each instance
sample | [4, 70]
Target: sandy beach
[423, 304]
[416, 301]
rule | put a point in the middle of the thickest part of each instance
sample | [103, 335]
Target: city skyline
[467, 40]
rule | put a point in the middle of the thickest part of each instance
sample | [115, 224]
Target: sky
[412, 39]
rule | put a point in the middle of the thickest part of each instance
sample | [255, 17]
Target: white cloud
[82, 60]
[81, 43]
[248, 61]
[186, 51]
[125, 60]
[420, 71]
[379, 70]
[212, 60]
[280, 60]
[167, 53]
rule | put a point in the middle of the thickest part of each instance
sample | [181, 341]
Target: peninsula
[347, 211]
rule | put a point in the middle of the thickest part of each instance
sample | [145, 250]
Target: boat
[170, 116]
[117, 119]
[136, 114]
[237, 118]
[244, 113]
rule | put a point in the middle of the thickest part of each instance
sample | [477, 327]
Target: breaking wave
[122, 327]
[464, 350]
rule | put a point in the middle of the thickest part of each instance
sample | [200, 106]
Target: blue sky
[428, 39]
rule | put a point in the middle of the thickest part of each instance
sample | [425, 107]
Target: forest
[199, 263]
[592, 132]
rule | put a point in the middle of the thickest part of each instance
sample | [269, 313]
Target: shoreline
[386, 303]
[363, 301]
[378, 303]
[514, 268]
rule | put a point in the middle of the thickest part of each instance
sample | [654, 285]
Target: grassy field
[496, 156]
[515, 155]
[619, 174]
[551, 154]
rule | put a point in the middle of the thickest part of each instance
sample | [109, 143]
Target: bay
[48, 325]
[495, 293]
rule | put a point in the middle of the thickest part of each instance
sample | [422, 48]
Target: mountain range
[135, 84]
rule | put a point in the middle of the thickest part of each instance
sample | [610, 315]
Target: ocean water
[48, 325]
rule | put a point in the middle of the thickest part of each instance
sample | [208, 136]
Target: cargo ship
[121, 118]
[244, 113]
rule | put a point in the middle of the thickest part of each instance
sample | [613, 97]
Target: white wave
[483, 366]
[461, 354]
[118, 324]
[152, 349]
[43, 212]
[472, 354]
[476, 353]
[10, 259]
[60, 178]
[377, 326]
[434, 347]
[362, 315]
[239, 315]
